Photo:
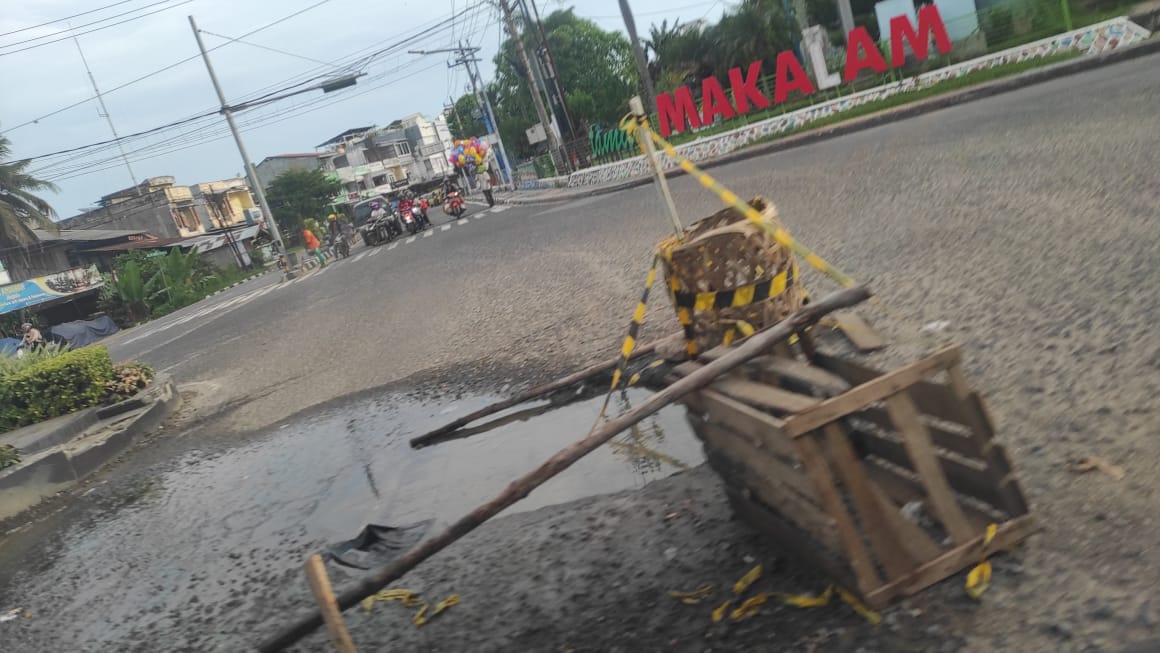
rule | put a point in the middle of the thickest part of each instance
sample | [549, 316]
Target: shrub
[55, 386]
[9, 456]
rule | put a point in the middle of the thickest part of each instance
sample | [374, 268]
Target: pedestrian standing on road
[485, 186]
[313, 247]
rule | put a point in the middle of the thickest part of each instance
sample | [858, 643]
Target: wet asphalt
[1027, 221]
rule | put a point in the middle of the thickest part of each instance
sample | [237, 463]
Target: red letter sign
[713, 101]
[673, 109]
[790, 77]
[857, 44]
[745, 91]
[929, 22]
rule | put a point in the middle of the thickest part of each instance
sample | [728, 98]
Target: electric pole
[470, 63]
[555, 92]
[255, 184]
[554, 146]
[650, 93]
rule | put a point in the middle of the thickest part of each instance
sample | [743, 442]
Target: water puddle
[219, 528]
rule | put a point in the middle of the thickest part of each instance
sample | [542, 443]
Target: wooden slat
[327, 605]
[903, 488]
[943, 438]
[818, 470]
[763, 429]
[871, 391]
[1008, 535]
[974, 481]
[806, 515]
[793, 541]
[934, 399]
[916, 439]
[910, 535]
[824, 381]
[979, 421]
[858, 332]
[739, 449]
[883, 539]
[764, 395]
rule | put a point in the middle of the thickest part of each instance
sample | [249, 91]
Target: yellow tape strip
[979, 578]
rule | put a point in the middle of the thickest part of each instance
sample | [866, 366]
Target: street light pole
[638, 54]
[255, 183]
[553, 145]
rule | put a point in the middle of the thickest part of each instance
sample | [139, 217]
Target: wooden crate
[886, 481]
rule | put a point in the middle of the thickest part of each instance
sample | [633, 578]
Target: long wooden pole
[433, 437]
[752, 347]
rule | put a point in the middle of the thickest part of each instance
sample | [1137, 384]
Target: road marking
[428, 234]
[445, 227]
[461, 221]
[393, 245]
[411, 239]
[361, 256]
[499, 208]
[479, 216]
[375, 251]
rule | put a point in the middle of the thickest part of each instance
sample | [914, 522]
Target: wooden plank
[780, 499]
[858, 332]
[818, 470]
[328, 605]
[979, 420]
[903, 487]
[910, 535]
[825, 382]
[739, 449]
[934, 399]
[766, 396]
[871, 391]
[763, 429]
[883, 539]
[1007, 536]
[943, 438]
[788, 538]
[971, 480]
[925, 463]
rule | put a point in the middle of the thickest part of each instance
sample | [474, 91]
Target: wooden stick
[752, 347]
[324, 596]
[433, 437]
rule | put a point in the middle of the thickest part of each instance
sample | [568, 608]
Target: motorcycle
[382, 230]
[412, 225]
[454, 204]
[340, 245]
[420, 217]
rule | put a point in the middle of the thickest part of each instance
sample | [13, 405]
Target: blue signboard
[42, 289]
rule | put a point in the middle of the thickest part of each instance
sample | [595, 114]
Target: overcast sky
[41, 80]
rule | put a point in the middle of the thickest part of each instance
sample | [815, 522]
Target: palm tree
[20, 210]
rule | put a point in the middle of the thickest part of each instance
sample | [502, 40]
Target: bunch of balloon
[470, 155]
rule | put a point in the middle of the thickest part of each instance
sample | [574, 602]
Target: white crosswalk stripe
[375, 251]
[428, 234]
[393, 246]
[500, 208]
[361, 256]
[462, 221]
[411, 239]
[445, 227]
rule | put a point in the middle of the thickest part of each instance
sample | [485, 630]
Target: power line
[95, 22]
[266, 47]
[161, 70]
[61, 20]
[97, 29]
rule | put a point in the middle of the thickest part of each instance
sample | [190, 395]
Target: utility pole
[650, 93]
[470, 63]
[104, 112]
[553, 144]
[255, 184]
[560, 105]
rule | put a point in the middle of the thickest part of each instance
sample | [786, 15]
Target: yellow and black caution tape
[632, 124]
[979, 578]
[748, 579]
[634, 327]
[694, 597]
[410, 599]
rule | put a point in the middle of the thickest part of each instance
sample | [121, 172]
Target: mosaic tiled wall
[1091, 40]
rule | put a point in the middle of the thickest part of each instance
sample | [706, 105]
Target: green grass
[946, 86]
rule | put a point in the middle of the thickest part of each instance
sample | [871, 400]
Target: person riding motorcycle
[405, 204]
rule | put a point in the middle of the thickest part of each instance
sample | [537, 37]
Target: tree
[296, 195]
[755, 30]
[463, 121]
[20, 210]
[596, 71]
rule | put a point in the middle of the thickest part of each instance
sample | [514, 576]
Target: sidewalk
[953, 98]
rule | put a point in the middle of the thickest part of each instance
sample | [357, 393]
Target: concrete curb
[26, 485]
[988, 89]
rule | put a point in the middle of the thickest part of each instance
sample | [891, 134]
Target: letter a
[790, 77]
[713, 101]
[862, 52]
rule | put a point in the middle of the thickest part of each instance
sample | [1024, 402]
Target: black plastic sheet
[377, 545]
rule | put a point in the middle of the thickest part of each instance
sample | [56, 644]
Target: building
[272, 166]
[161, 207]
[371, 161]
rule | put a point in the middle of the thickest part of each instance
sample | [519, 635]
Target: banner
[38, 290]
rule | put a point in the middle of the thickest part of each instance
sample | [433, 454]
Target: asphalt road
[1028, 221]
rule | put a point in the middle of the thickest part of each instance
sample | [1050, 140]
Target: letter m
[675, 109]
[929, 22]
